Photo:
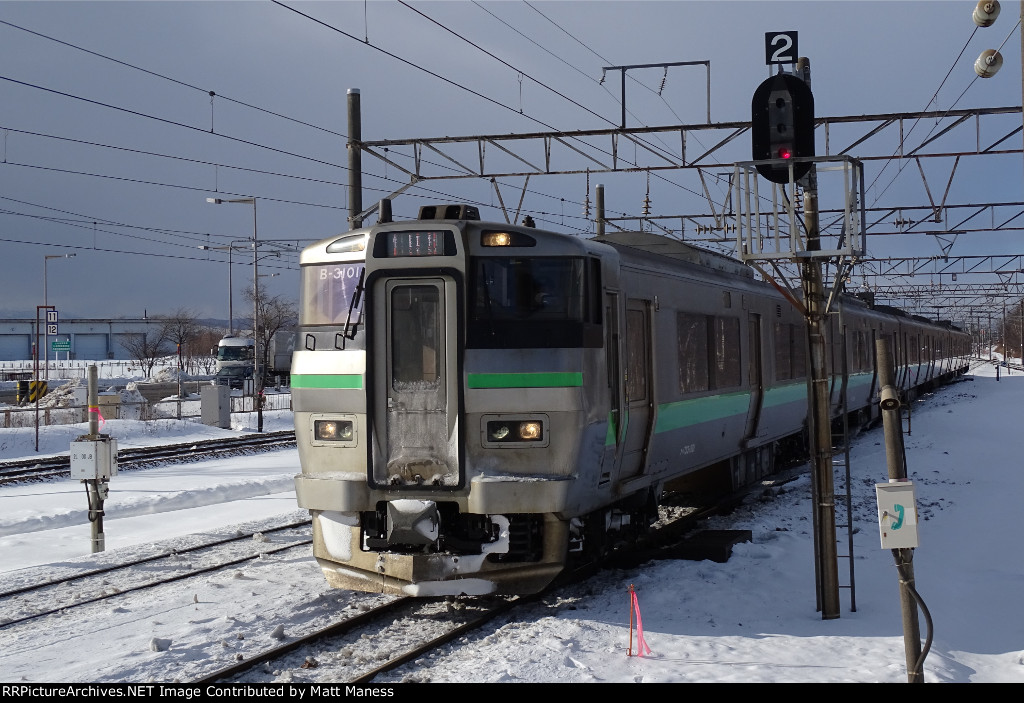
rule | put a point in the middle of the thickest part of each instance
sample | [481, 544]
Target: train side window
[727, 352]
[790, 352]
[783, 360]
[692, 343]
[799, 351]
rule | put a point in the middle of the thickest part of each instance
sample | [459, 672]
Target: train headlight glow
[496, 239]
[515, 431]
[352, 242]
[333, 430]
[529, 431]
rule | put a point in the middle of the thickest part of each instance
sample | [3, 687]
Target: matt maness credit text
[190, 692]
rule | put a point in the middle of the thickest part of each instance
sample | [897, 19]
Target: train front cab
[461, 401]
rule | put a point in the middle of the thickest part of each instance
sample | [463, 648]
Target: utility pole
[355, 160]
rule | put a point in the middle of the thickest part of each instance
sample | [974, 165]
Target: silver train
[476, 403]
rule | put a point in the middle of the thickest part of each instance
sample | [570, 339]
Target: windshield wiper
[350, 327]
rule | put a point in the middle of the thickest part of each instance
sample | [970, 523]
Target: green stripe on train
[686, 413]
[525, 380]
[348, 381]
[694, 411]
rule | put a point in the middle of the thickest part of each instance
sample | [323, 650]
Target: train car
[477, 403]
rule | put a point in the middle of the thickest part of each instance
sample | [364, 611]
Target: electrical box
[215, 406]
[94, 459]
[897, 514]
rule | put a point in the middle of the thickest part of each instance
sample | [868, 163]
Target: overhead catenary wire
[174, 122]
[171, 79]
[456, 84]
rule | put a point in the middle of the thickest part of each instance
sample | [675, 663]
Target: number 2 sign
[780, 47]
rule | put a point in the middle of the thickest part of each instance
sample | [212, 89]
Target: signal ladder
[841, 468]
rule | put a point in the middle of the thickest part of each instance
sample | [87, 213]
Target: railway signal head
[782, 127]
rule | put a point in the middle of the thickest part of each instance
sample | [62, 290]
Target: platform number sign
[780, 47]
[51, 322]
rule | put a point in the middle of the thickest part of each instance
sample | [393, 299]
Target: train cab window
[331, 294]
[534, 302]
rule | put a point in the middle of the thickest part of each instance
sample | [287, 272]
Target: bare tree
[180, 328]
[203, 349]
[146, 348]
[276, 314]
[273, 313]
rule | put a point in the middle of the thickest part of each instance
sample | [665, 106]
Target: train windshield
[530, 302]
[332, 294]
[525, 289]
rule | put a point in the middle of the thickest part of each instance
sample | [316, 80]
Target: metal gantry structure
[941, 224]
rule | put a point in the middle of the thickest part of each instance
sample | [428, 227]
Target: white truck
[236, 359]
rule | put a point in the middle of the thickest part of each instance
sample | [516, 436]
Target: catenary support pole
[818, 421]
[355, 160]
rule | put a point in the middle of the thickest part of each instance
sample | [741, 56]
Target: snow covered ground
[752, 619]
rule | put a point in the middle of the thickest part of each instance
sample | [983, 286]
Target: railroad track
[36, 600]
[403, 630]
[127, 459]
[331, 636]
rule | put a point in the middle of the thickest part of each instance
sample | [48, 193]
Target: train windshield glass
[528, 289]
[329, 294]
[519, 302]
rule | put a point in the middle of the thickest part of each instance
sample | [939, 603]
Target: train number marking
[780, 47]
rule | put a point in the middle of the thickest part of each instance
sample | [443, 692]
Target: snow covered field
[752, 619]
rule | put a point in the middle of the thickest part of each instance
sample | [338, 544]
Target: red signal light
[785, 153]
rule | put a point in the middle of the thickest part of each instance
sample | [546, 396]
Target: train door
[415, 396]
[616, 389]
[639, 393]
[756, 375]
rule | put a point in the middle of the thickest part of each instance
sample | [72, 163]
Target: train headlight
[496, 239]
[500, 238]
[349, 243]
[333, 430]
[506, 431]
[530, 431]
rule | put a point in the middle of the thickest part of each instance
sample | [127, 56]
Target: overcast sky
[112, 141]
